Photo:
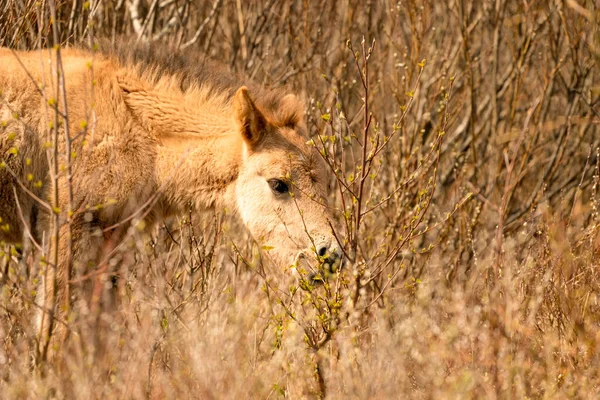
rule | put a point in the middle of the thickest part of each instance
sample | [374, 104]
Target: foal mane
[191, 71]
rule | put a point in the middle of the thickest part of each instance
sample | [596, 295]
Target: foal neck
[199, 168]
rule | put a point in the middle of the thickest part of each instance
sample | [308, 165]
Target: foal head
[282, 189]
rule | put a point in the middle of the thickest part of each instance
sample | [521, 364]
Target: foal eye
[278, 186]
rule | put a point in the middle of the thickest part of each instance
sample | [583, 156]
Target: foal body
[145, 145]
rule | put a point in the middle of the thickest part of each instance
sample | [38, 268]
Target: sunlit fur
[140, 129]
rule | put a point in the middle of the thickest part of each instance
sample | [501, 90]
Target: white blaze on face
[271, 218]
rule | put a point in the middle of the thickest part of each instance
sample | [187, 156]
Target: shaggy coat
[151, 136]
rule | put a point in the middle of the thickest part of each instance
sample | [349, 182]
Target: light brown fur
[145, 134]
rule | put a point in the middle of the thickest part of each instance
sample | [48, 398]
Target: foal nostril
[322, 251]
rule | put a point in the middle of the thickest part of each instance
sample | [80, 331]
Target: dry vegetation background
[467, 164]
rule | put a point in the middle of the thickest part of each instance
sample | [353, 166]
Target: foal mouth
[327, 269]
[327, 266]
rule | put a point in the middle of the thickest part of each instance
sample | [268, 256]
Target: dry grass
[475, 272]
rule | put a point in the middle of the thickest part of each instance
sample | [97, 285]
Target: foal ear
[251, 122]
[291, 111]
